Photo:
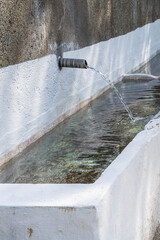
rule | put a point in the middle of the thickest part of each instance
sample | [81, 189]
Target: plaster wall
[122, 204]
[36, 95]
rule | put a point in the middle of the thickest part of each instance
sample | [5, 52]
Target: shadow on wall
[35, 28]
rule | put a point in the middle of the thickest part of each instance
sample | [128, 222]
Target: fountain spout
[72, 63]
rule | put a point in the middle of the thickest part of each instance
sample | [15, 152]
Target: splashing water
[118, 94]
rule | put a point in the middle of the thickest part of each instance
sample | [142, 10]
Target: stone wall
[34, 28]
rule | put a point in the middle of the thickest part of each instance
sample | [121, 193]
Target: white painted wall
[35, 95]
[130, 205]
[123, 204]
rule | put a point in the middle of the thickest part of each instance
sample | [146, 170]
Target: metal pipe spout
[72, 63]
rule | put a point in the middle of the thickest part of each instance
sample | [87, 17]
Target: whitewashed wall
[35, 95]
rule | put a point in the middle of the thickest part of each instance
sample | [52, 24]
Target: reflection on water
[81, 147]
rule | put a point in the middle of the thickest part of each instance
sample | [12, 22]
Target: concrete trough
[124, 202]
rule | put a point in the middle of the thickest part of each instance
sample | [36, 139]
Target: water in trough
[80, 148]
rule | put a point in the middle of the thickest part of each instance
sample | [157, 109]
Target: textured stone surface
[157, 234]
[34, 28]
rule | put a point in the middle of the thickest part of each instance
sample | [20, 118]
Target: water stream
[117, 93]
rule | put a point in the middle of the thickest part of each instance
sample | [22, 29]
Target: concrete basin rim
[78, 195]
